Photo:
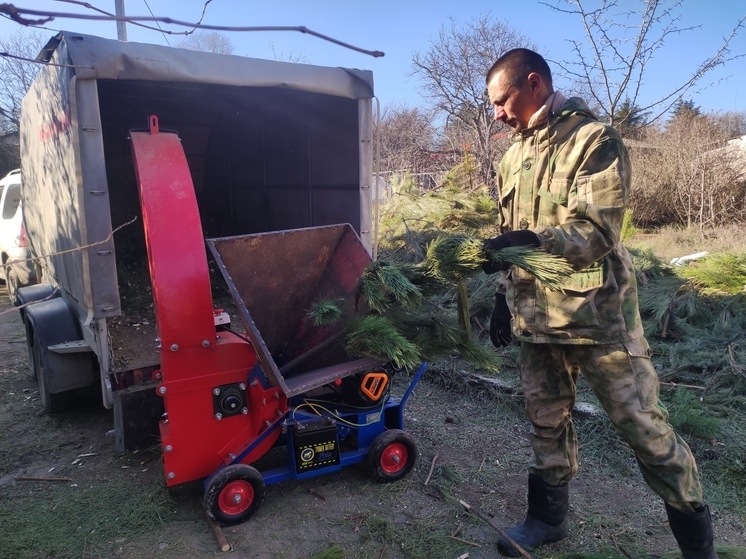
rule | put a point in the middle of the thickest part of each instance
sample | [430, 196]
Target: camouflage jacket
[568, 180]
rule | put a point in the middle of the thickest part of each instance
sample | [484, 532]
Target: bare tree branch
[18, 68]
[207, 41]
[452, 72]
[689, 174]
[613, 61]
[17, 15]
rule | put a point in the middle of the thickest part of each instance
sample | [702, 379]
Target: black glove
[522, 237]
[500, 330]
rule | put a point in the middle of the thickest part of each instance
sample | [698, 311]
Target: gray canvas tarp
[97, 58]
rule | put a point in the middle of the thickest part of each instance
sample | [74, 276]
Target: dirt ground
[478, 436]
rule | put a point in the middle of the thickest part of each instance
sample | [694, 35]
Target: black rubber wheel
[11, 283]
[30, 346]
[392, 455]
[52, 403]
[353, 394]
[234, 494]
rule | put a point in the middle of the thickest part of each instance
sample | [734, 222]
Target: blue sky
[400, 28]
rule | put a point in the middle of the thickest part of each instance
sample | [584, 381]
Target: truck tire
[11, 283]
[52, 403]
[33, 293]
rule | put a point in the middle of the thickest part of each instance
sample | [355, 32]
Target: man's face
[513, 106]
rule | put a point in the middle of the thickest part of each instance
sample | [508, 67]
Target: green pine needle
[719, 272]
[376, 336]
[462, 300]
[479, 355]
[384, 283]
[688, 417]
[325, 312]
[332, 552]
[549, 269]
[457, 256]
[452, 257]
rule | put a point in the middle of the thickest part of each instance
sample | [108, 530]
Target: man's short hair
[518, 64]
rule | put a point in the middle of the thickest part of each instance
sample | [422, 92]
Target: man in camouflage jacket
[563, 187]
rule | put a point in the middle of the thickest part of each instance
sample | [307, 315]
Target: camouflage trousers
[626, 384]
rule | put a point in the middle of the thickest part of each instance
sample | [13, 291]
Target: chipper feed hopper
[284, 400]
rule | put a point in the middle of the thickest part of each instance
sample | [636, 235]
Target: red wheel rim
[236, 497]
[394, 458]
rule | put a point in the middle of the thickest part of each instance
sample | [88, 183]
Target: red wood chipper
[287, 385]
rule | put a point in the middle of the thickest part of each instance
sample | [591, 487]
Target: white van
[13, 237]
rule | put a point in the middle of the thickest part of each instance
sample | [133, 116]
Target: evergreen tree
[685, 110]
[629, 120]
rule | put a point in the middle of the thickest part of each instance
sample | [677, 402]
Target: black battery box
[316, 444]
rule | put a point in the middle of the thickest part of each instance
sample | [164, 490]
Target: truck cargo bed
[268, 146]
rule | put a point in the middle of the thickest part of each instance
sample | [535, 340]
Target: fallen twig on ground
[32, 478]
[676, 384]
[467, 542]
[499, 530]
[432, 467]
[217, 531]
[312, 491]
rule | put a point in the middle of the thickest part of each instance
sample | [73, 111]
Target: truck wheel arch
[27, 295]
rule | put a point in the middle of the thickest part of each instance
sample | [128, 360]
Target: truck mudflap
[50, 323]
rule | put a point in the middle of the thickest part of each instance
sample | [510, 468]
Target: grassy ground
[472, 443]
[673, 242]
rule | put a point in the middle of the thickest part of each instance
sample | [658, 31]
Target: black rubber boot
[546, 520]
[693, 532]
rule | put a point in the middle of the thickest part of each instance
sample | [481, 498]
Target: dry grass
[670, 242]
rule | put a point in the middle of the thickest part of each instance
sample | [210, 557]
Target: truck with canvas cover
[267, 147]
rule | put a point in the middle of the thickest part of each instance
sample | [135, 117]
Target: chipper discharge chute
[285, 401]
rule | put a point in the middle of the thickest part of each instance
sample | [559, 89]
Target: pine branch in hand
[453, 257]
[549, 269]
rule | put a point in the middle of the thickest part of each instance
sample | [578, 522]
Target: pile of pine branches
[411, 316]
[427, 298]
[408, 299]
[417, 294]
[695, 321]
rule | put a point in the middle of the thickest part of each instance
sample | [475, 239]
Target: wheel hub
[394, 458]
[236, 497]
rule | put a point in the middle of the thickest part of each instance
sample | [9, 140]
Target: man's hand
[522, 237]
[500, 329]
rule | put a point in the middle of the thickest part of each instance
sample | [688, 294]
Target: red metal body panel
[194, 358]
[176, 251]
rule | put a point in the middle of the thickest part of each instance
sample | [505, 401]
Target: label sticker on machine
[316, 445]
